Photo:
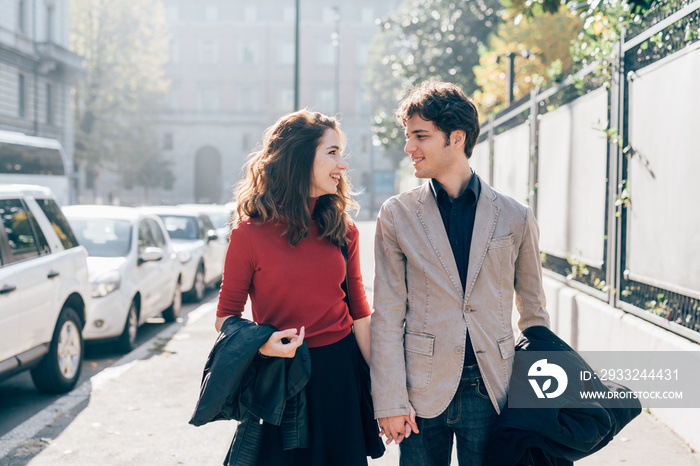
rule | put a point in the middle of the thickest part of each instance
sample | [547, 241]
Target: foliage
[531, 8]
[124, 46]
[545, 38]
[622, 200]
[602, 23]
[423, 39]
[579, 271]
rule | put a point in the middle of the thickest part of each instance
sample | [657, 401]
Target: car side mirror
[150, 255]
[212, 236]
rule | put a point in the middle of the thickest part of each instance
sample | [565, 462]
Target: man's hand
[396, 428]
[274, 346]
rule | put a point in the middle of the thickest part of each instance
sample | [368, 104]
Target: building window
[289, 14]
[285, 99]
[248, 99]
[174, 96]
[172, 14]
[22, 16]
[90, 176]
[174, 51]
[285, 54]
[362, 105]
[328, 14]
[209, 51]
[49, 23]
[325, 53]
[367, 15]
[49, 105]
[21, 91]
[211, 14]
[208, 97]
[250, 14]
[361, 53]
[168, 141]
[247, 142]
[168, 181]
[325, 100]
[248, 52]
[365, 143]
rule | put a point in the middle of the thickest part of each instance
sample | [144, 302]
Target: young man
[450, 257]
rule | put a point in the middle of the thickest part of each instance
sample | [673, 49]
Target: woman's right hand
[275, 347]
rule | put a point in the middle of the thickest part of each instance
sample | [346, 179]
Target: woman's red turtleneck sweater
[291, 287]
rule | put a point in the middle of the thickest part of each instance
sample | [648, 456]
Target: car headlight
[105, 284]
[184, 256]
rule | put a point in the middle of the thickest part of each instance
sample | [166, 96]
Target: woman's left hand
[274, 346]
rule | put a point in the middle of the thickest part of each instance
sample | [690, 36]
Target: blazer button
[458, 350]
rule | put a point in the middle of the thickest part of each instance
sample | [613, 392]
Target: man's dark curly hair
[447, 106]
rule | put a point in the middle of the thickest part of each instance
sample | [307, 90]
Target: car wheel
[173, 311]
[60, 369]
[197, 291]
[127, 340]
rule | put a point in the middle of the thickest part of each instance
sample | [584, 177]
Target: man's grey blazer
[421, 312]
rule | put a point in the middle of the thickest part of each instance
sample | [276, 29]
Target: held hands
[275, 347]
[396, 428]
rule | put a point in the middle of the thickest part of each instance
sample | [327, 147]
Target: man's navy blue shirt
[458, 218]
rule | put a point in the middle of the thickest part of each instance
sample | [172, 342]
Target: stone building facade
[37, 70]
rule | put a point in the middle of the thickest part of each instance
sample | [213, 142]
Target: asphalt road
[20, 400]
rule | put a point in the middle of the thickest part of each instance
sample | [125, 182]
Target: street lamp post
[296, 56]
[336, 43]
[510, 73]
[510, 77]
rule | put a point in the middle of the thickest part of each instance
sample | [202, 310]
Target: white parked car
[44, 290]
[134, 270]
[200, 248]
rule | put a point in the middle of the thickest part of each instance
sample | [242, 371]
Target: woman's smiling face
[328, 165]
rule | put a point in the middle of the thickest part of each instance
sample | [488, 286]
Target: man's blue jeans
[469, 416]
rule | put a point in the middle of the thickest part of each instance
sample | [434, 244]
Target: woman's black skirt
[342, 428]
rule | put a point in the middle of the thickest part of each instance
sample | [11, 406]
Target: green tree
[423, 39]
[601, 20]
[547, 38]
[124, 44]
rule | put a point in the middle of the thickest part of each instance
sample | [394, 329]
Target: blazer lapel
[484, 226]
[429, 216]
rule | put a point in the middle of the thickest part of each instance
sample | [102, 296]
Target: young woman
[284, 252]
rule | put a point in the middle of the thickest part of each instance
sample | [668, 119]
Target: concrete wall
[589, 324]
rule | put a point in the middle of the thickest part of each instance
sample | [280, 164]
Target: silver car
[134, 270]
[199, 246]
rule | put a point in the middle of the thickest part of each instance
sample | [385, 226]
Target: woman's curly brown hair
[278, 177]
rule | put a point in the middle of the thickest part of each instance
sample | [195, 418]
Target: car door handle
[53, 274]
[7, 289]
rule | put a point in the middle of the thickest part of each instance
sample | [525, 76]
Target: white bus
[34, 160]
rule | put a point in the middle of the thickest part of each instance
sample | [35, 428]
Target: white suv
[44, 290]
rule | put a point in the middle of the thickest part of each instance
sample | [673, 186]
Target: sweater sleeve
[359, 307]
[238, 273]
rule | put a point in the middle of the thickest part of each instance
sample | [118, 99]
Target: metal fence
[611, 172]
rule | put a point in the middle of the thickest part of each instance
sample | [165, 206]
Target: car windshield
[181, 227]
[103, 237]
[219, 219]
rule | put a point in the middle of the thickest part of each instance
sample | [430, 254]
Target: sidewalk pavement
[137, 413]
